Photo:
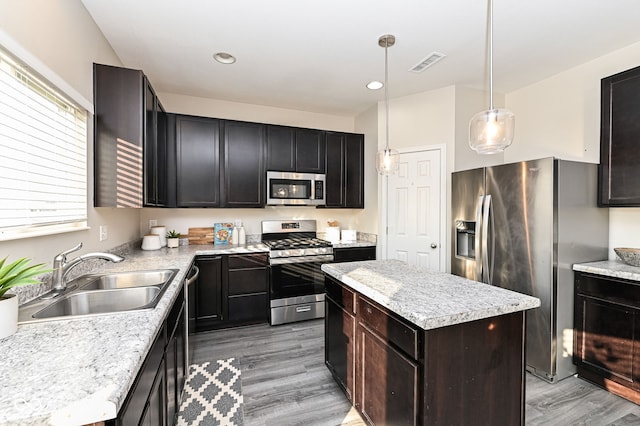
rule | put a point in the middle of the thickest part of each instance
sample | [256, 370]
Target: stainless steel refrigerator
[522, 226]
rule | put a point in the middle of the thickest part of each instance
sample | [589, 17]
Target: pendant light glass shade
[387, 159]
[491, 131]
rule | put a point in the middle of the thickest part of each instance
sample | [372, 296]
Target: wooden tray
[200, 236]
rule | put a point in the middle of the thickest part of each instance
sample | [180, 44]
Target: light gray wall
[63, 36]
[560, 116]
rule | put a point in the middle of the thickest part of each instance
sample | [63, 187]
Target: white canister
[161, 231]
[151, 242]
[333, 234]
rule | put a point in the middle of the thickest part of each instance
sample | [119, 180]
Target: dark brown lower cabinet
[154, 396]
[155, 410]
[340, 338]
[396, 373]
[353, 254]
[387, 392]
[232, 290]
[175, 359]
[607, 320]
[247, 288]
[208, 293]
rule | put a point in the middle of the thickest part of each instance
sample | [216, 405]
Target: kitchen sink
[128, 279]
[99, 294]
[101, 302]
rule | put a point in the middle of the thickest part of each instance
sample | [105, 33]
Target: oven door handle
[325, 258]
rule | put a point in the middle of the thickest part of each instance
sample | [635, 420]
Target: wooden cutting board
[200, 235]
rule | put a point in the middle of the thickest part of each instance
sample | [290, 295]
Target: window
[43, 165]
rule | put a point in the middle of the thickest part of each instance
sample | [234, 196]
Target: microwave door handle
[478, 236]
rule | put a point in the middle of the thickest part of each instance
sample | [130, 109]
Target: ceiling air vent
[427, 62]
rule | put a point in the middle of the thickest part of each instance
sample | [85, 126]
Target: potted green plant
[12, 275]
[173, 238]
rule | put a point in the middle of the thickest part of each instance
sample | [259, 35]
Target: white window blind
[43, 145]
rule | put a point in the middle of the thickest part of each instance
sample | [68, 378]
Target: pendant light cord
[491, 55]
[386, 90]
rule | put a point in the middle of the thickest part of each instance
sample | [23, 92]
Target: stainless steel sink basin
[99, 294]
[128, 279]
[100, 302]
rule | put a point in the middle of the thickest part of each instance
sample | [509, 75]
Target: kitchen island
[410, 346]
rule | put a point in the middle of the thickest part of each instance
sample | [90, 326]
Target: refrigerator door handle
[486, 210]
[478, 238]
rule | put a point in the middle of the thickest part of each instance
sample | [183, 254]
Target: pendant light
[387, 160]
[491, 131]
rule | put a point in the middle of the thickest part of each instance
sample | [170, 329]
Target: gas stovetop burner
[296, 243]
[305, 248]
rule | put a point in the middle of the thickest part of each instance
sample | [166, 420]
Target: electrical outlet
[103, 232]
[152, 222]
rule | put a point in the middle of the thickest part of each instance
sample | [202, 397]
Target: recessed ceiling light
[375, 85]
[224, 58]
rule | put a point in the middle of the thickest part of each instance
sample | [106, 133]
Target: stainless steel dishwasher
[190, 323]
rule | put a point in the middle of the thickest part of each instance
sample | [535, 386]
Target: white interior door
[414, 221]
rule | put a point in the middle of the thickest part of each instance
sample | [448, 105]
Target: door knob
[434, 245]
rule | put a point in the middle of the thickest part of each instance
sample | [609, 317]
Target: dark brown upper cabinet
[219, 163]
[619, 171]
[291, 149]
[155, 149]
[244, 171]
[129, 139]
[344, 170]
[197, 144]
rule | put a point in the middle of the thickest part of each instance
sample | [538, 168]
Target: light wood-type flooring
[285, 382]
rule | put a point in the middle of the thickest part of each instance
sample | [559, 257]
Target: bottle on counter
[235, 235]
[242, 236]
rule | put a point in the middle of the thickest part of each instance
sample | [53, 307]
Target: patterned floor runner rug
[212, 395]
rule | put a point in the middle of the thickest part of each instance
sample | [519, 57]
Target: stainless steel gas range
[296, 283]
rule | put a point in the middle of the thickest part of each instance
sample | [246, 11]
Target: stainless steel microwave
[295, 189]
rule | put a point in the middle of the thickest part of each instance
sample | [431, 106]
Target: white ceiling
[318, 55]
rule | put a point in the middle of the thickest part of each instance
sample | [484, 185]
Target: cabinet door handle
[303, 308]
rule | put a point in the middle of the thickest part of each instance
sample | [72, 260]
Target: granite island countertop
[79, 370]
[610, 268]
[425, 298]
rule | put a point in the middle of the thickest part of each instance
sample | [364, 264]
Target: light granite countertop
[352, 244]
[610, 268]
[425, 298]
[79, 371]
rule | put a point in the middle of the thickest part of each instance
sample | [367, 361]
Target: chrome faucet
[62, 267]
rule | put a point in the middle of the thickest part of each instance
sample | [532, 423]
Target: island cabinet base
[396, 373]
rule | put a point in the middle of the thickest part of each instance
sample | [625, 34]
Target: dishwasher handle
[194, 273]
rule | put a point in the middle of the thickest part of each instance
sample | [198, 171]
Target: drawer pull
[303, 308]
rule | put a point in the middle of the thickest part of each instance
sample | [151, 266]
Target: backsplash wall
[183, 219]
